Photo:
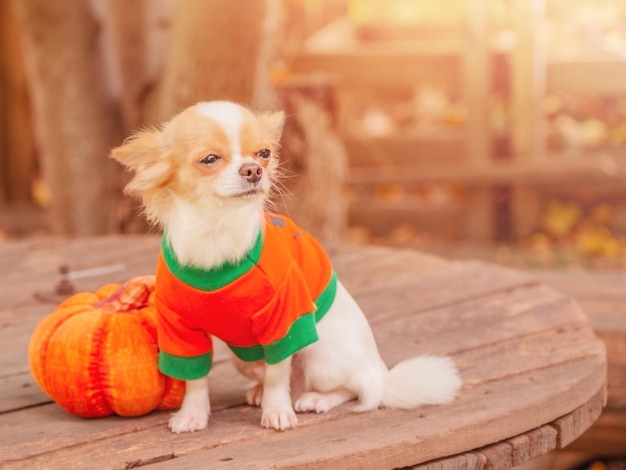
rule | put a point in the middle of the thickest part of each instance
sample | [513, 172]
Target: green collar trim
[215, 278]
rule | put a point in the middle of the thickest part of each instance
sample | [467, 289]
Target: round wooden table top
[534, 373]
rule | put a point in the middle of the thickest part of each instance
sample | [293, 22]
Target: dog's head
[211, 154]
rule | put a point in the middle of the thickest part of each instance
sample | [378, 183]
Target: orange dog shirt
[264, 307]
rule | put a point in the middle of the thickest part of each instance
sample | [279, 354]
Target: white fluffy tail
[424, 380]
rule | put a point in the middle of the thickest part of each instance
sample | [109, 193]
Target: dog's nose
[252, 172]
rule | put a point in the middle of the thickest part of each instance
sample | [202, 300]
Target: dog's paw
[254, 395]
[279, 419]
[321, 402]
[312, 401]
[188, 422]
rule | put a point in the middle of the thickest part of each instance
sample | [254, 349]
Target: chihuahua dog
[254, 279]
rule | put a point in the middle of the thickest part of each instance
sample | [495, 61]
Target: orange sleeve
[292, 300]
[176, 336]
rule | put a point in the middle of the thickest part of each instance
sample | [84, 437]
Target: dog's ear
[144, 154]
[272, 124]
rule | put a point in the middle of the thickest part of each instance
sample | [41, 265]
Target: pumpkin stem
[132, 295]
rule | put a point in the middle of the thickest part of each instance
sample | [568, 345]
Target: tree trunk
[213, 55]
[127, 23]
[17, 146]
[75, 120]
[313, 161]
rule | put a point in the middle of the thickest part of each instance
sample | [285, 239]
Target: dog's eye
[265, 153]
[210, 159]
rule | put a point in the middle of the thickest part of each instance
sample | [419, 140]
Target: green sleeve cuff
[248, 353]
[301, 334]
[185, 368]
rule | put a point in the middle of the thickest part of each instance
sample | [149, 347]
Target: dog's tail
[424, 380]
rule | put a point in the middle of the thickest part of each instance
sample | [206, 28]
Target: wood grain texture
[587, 76]
[603, 298]
[533, 372]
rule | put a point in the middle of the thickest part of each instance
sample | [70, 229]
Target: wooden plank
[517, 450]
[525, 208]
[532, 444]
[347, 443]
[611, 329]
[398, 66]
[386, 154]
[605, 315]
[603, 298]
[586, 284]
[479, 221]
[384, 262]
[463, 281]
[395, 296]
[528, 81]
[572, 426]
[476, 83]
[57, 428]
[16, 331]
[348, 258]
[430, 333]
[20, 391]
[593, 75]
[588, 193]
[607, 436]
[31, 266]
[37, 269]
[521, 354]
[399, 49]
[498, 455]
[46, 255]
[528, 92]
[381, 218]
[553, 171]
[615, 342]
[466, 461]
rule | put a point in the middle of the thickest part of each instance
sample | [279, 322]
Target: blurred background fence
[455, 120]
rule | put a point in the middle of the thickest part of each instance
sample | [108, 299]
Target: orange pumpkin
[96, 354]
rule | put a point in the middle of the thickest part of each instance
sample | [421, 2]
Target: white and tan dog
[205, 177]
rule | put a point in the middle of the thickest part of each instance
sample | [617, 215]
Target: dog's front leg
[277, 410]
[195, 410]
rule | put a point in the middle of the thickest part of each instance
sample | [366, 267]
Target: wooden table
[534, 373]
